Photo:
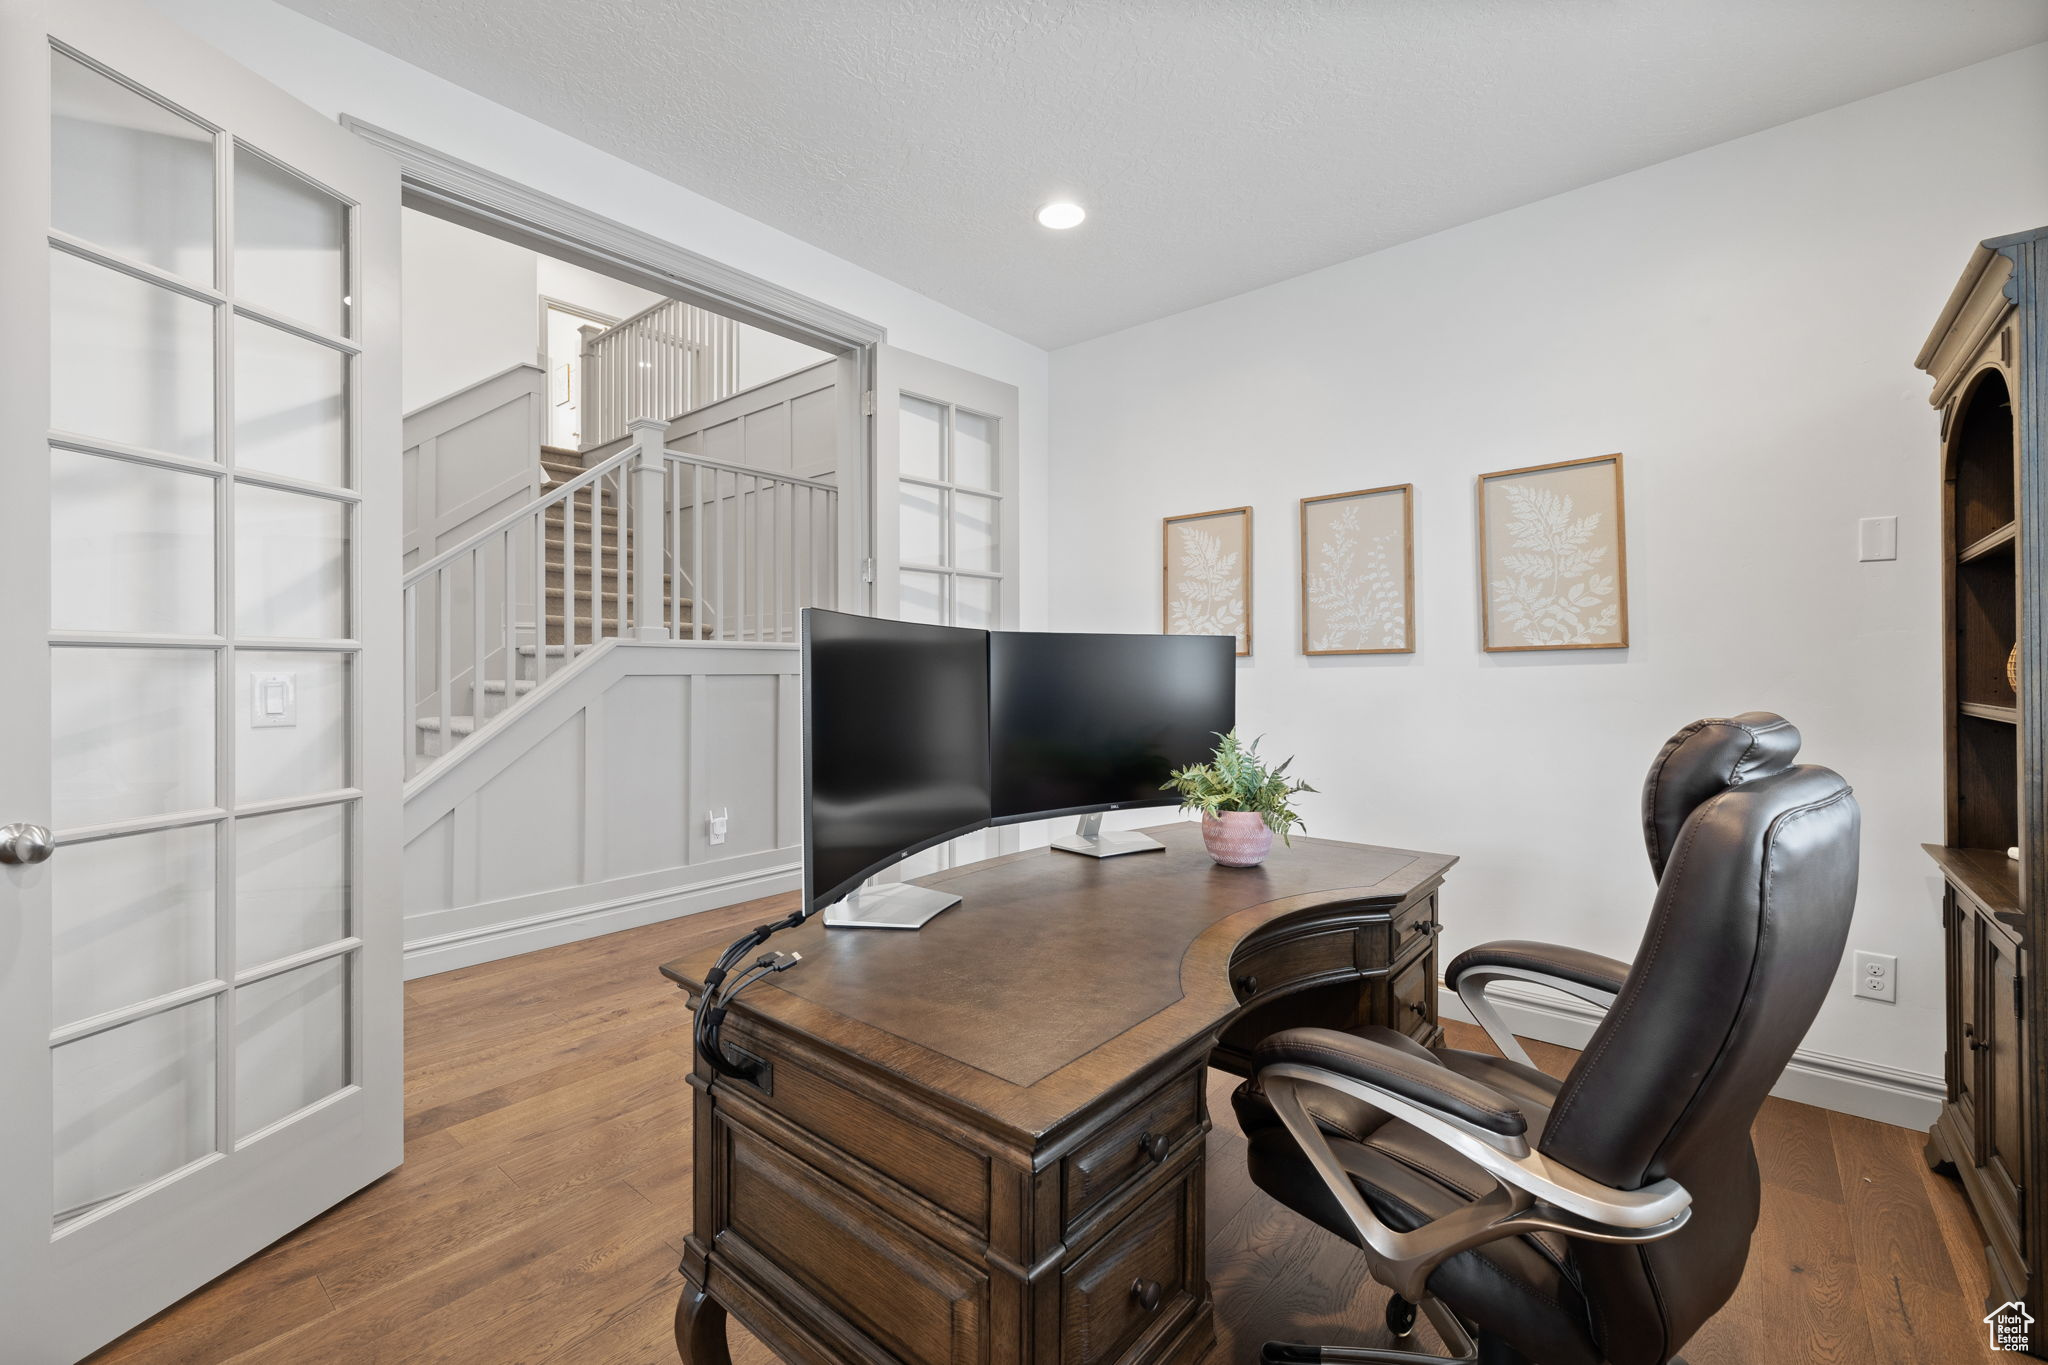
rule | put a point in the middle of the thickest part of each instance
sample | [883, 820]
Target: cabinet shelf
[2001, 539]
[2005, 715]
[1986, 874]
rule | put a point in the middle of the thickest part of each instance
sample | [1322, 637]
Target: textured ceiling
[1219, 145]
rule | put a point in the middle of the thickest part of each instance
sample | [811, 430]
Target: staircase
[737, 554]
[587, 613]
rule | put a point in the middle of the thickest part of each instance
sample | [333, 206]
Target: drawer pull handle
[1978, 1045]
[1147, 1293]
[1154, 1145]
[1421, 1010]
[1248, 985]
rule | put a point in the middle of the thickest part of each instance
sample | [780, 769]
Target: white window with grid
[949, 539]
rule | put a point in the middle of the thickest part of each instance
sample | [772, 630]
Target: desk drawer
[1130, 1146]
[1135, 1277]
[1269, 964]
[1411, 999]
[1412, 925]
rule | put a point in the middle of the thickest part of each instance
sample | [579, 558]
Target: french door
[199, 977]
[945, 520]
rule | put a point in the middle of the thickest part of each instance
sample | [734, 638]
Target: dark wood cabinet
[1988, 357]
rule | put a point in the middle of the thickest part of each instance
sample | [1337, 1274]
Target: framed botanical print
[1553, 557]
[1206, 575]
[1358, 572]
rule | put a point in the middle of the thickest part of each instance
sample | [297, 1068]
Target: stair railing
[751, 548]
[478, 612]
[729, 553]
[664, 361]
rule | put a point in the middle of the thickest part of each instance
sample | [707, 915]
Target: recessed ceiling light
[1061, 214]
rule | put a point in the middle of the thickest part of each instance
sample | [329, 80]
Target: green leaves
[1236, 778]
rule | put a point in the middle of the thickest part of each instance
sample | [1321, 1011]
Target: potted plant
[1243, 802]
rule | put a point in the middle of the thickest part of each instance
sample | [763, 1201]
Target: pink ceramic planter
[1237, 838]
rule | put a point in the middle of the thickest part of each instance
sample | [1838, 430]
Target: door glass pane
[974, 531]
[131, 919]
[290, 404]
[127, 174]
[974, 450]
[290, 244]
[291, 1043]
[130, 362]
[920, 537]
[131, 1104]
[974, 603]
[291, 724]
[922, 597]
[131, 733]
[291, 883]
[921, 439]
[291, 564]
[131, 547]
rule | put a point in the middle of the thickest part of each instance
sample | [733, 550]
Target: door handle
[25, 844]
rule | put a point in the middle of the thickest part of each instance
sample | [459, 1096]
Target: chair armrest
[1532, 1192]
[1574, 971]
[1415, 1079]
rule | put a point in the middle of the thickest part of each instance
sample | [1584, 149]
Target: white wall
[335, 73]
[1742, 324]
[469, 309]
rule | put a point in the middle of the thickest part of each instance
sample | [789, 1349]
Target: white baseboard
[568, 924]
[1909, 1099]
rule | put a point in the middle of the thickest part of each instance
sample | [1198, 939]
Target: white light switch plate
[273, 700]
[1877, 538]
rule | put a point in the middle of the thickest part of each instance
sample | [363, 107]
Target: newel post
[650, 609]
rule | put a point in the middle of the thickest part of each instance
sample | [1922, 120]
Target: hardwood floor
[540, 1211]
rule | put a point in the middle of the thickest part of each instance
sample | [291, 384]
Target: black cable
[712, 1006]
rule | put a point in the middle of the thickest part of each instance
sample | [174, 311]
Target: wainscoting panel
[589, 811]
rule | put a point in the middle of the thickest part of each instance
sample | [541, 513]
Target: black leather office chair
[1597, 1220]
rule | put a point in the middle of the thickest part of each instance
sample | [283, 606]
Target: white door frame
[484, 201]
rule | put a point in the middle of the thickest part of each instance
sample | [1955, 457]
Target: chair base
[1401, 1321]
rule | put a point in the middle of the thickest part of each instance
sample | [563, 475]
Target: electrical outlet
[1877, 977]
[714, 824]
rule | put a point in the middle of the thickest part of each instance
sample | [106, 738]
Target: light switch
[273, 700]
[1877, 538]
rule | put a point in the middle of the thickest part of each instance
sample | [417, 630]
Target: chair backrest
[1756, 862]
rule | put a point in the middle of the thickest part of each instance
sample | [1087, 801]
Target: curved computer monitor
[895, 744]
[916, 734]
[1081, 723]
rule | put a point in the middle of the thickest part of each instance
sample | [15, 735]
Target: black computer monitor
[895, 744]
[1081, 723]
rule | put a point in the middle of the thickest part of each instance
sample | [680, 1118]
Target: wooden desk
[981, 1143]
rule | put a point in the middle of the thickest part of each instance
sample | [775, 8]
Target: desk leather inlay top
[1100, 956]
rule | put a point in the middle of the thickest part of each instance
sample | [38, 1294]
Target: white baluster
[444, 681]
[476, 636]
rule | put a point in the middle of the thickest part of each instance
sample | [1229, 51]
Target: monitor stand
[1090, 840]
[891, 905]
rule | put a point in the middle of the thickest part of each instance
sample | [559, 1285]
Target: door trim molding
[450, 188]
